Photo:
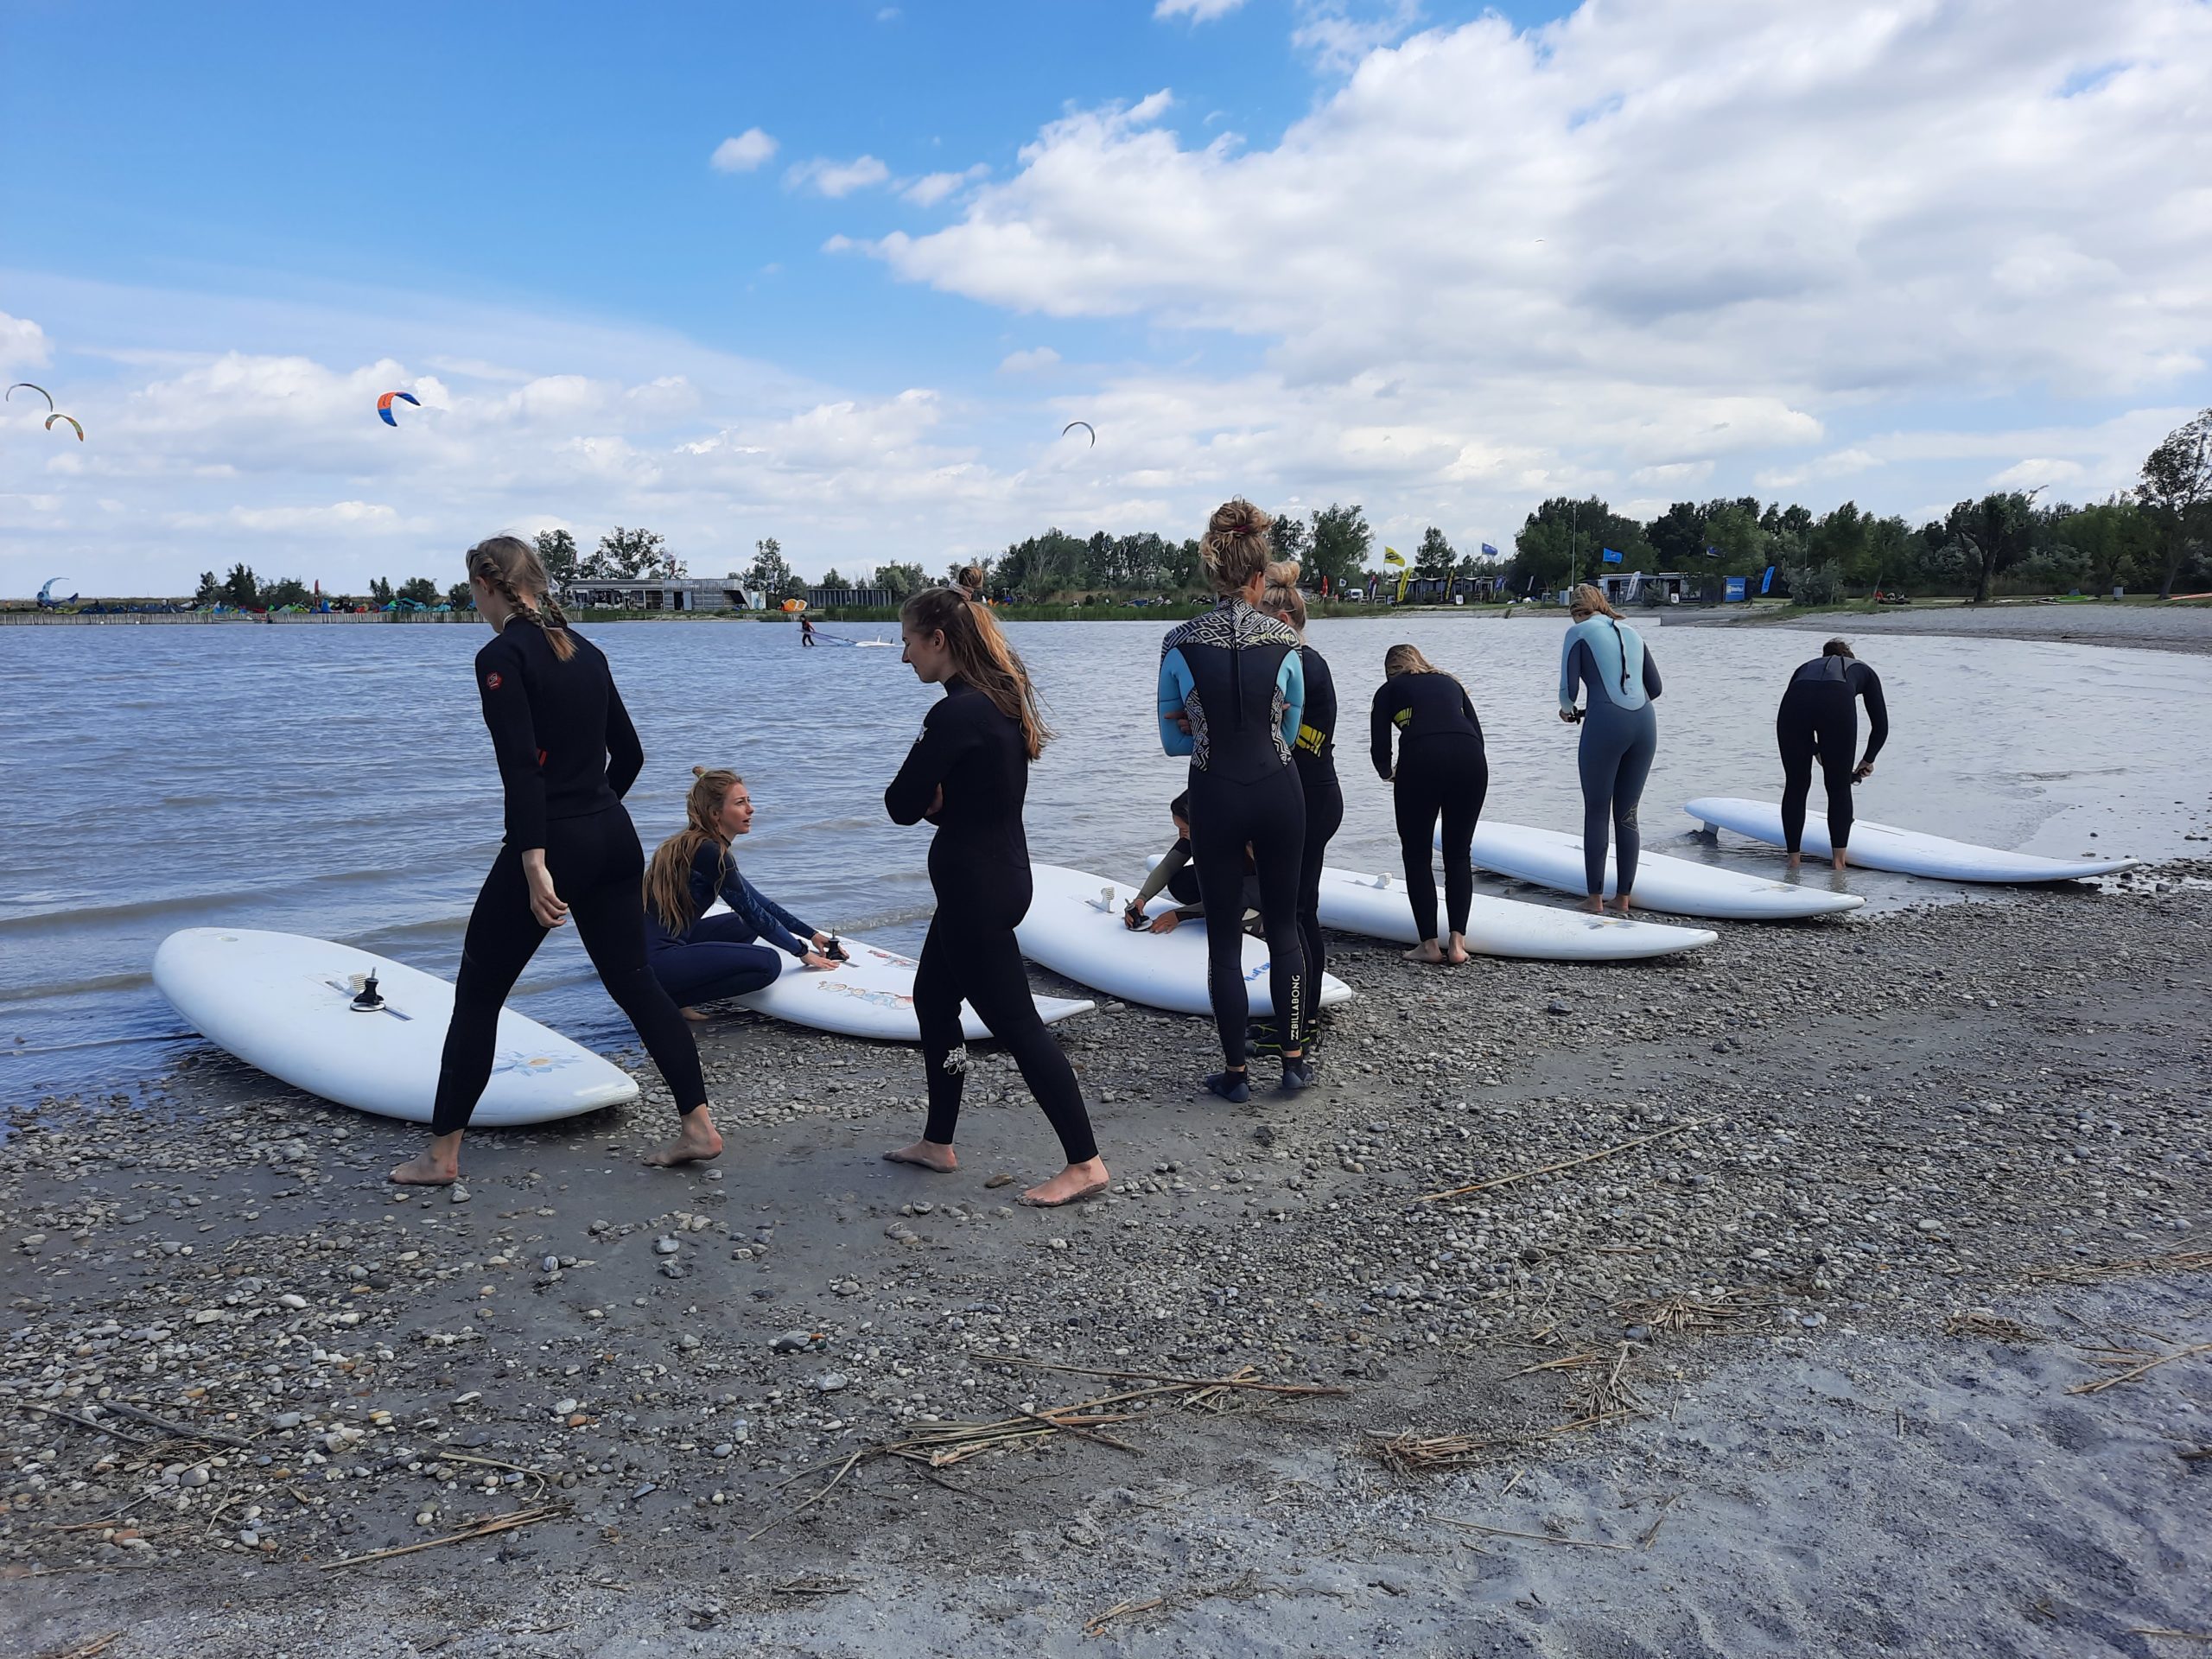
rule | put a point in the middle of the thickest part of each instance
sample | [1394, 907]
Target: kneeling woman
[702, 959]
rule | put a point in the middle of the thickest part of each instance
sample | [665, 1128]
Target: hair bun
[1284, 573]
[698, 771]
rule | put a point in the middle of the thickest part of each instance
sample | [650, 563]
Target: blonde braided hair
[511, 568]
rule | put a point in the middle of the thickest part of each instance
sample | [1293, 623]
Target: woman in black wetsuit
[1819, 716]
[567, 755]
[1232, 695]
[967, 773]
[702, 958]
[1315, 754]
[1442, 772]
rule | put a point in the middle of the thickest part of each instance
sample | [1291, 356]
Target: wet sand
[2180, 627]
[1718, 1374]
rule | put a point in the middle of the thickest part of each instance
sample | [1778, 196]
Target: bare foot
[694, 1143]
[1622, 904]
[1071, 1186]
[1425, 951]
[927, 1154]
[1796, 859]
[692, 1013]
[1457, 952]
[439, 1166]
[1595, 904]
[1842, 854]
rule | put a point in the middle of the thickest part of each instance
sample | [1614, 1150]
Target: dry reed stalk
[1652, 1531]
[1733, 1309]
[1409, 1453]
[497, 1523]
[1096, 1624]
[1533, 1537]
[91, 1649]
[1553, 1169]
[1992, 1328]
[2094, 1272]
[2099, 1384]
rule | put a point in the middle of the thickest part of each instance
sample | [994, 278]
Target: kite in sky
[20, 384]
[1086, 426]
[72, 419]
[384, 405]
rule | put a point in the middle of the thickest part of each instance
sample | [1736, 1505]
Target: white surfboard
[1909, 852]
[284, 1004]
[870, 996]
[1552, 858]
[1075, 927]
[1376, 906]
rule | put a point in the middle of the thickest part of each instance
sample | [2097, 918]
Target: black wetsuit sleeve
[707, 866]
[1468, 708]
[948, 737]
[625, 756]
[1651, 687]
[1378, 729]
[514, 744]
[1878, 712]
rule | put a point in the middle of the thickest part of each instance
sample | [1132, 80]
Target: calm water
[337, 781]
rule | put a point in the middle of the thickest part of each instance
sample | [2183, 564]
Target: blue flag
[1611, 557]
[1489, 552]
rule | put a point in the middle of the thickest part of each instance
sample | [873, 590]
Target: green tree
[1839, 540]
[769, 572]
[556, 552]
[1677, 535]
[420, 589]
[1787, 531]
[460, 597]
[1564, 542]
[1341, 540]
[211, 591]
[2176, 488]
[1435, 556]
[831, 579]
[286, 590]
[1292, 538]
[1993, 534]
[2119, 538]
[900, 580]
[1888, 557]
[633, 555]
[240, 590]
[1733, 527]
[381, 591]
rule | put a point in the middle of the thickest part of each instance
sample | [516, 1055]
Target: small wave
[40, 993]
[181, 904]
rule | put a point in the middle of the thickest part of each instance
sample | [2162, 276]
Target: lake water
[337, 780]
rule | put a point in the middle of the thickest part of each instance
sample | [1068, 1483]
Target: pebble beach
[1557, 1255]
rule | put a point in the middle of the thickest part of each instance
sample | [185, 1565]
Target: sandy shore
[1712, 1390]
[2165, 627]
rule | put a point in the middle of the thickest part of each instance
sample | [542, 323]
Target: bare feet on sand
[439, 1165]
[695, 1144]
[927, 1154]
[1842, 857]
[1595, 904]
[693, 1013]
[1796, 863]
[1427, 950]
[1622, 903]
[1071, 1186]
[1456, 952]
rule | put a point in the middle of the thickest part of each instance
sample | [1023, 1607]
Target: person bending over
[1819, 719]
[567, 755]
[1442, 774]
[702, 959]
[1175, 876]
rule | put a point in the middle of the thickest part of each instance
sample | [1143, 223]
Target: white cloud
[933, 188]
[2030, 475]
[1842, 463]
[1030, 361]
[836, 179]
[1198, 11]
[743, 153]
[22, 343]
[1338, 34]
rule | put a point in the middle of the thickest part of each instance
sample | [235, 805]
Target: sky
[840, 273]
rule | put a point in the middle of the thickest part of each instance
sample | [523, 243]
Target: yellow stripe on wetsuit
[1310, 739]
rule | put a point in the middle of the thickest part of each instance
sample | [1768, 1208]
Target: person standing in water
[1232, 696]
[806, 629]
[567, 755]
[1442, 774]
[1314, 755]
[702, 958]
[1620, 733]
[968, 773]
[1819, 717]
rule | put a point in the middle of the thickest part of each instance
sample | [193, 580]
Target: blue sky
[1442, 259]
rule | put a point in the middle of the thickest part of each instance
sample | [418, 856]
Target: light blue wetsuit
[1620, 733]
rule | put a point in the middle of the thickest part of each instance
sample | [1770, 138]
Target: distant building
[1666, 588]
[823, 599]
[646, 593]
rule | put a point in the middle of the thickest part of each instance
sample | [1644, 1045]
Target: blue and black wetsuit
[1315, 757]
[1236, 675]
[1620, 734]
[979, 869]
[1819, 716]
[717, 956]
[567, 755]
[1442, 774]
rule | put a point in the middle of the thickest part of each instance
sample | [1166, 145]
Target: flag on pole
[1489, 552]
[1611, 557]
[1391, 555]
